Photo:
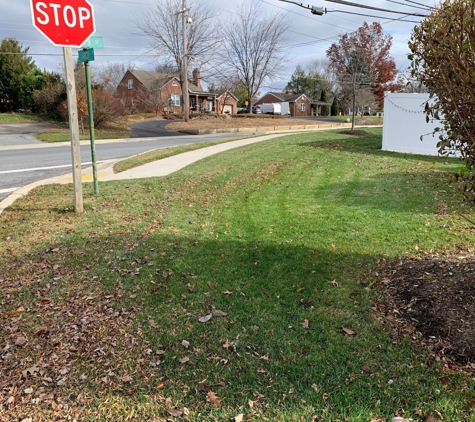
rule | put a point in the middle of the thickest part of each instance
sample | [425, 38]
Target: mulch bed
[432, 299]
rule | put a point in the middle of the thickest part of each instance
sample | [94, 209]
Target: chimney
[197, 77]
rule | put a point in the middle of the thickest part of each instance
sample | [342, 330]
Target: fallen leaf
[205, 318]
[217, 313]
[226, 345]
[325, 397]
[305, 323]
[21, 341]
[348, 332]
[160, 386]
[213, 399]
[176, 412]
[191, 287]
[184, 360]
[185, 344]
[28, 390]
[32, 371]
[238, 418]
[334, 282]
[315, 387]
[227, 292]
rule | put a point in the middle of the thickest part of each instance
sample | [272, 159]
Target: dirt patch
[356, 132]
[434, 298]
[231, 123]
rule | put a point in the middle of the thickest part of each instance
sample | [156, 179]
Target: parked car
[256, 110]
[243, 110]
[272, 108]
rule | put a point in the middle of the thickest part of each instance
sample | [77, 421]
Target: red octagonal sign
[66, 23]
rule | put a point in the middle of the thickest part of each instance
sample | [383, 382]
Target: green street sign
[94, 42]
[86, 55]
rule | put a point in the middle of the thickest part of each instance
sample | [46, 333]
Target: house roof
[282, 96]
[148, 79]
[221, 93]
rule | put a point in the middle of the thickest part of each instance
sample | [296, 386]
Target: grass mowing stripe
[285, 237]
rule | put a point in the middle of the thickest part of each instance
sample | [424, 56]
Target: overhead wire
[370, 16]
[363, 6]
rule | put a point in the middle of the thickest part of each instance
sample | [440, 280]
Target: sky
[308, 38]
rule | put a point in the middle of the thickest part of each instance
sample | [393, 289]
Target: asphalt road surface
[151, 128]
[24, 160]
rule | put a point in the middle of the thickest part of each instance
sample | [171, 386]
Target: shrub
[443, 60]
[107, 109]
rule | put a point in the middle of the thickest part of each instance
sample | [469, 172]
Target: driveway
[23, 128]
[21, 133]
[152, 128]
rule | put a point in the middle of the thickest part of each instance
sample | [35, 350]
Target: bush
[106, 109]
[48, 99]
[443, 60]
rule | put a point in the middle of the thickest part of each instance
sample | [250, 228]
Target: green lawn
[64, 135]
[23, 118]
[102, 310]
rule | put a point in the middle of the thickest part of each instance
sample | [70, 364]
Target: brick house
[141, 90]
[226, 102]
[296, 104]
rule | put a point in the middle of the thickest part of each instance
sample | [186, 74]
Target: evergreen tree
[308, 83]
[324, 99]
[335, 108]
[12, 68]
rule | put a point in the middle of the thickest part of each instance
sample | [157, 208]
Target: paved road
[24, 160]
[151, 128]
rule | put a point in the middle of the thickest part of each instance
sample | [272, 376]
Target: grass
[158, 154]
[285, 236]
[63, 135]
[24, 118]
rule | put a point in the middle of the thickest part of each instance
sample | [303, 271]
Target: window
[174, 83]
[175, 100]
[130, 84]
[303, 107]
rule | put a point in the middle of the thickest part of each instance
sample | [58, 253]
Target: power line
[370, 16]
[379, 9]
[409, 5]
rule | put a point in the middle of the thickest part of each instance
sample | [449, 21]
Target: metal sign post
[85, 56]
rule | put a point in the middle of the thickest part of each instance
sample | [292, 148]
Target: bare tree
[253, 47]
[111, 74]
[163, 26]
[354, 81]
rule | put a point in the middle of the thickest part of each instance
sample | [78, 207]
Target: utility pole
[74, 129]
[186, 101]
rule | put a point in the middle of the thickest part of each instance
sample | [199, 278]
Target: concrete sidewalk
[105, 170]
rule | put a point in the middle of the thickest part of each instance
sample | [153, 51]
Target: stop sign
[64, 22]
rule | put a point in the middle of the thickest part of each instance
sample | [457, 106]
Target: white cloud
[311, 35]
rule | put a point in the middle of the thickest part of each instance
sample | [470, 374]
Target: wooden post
[74, 129]
[185, 64]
